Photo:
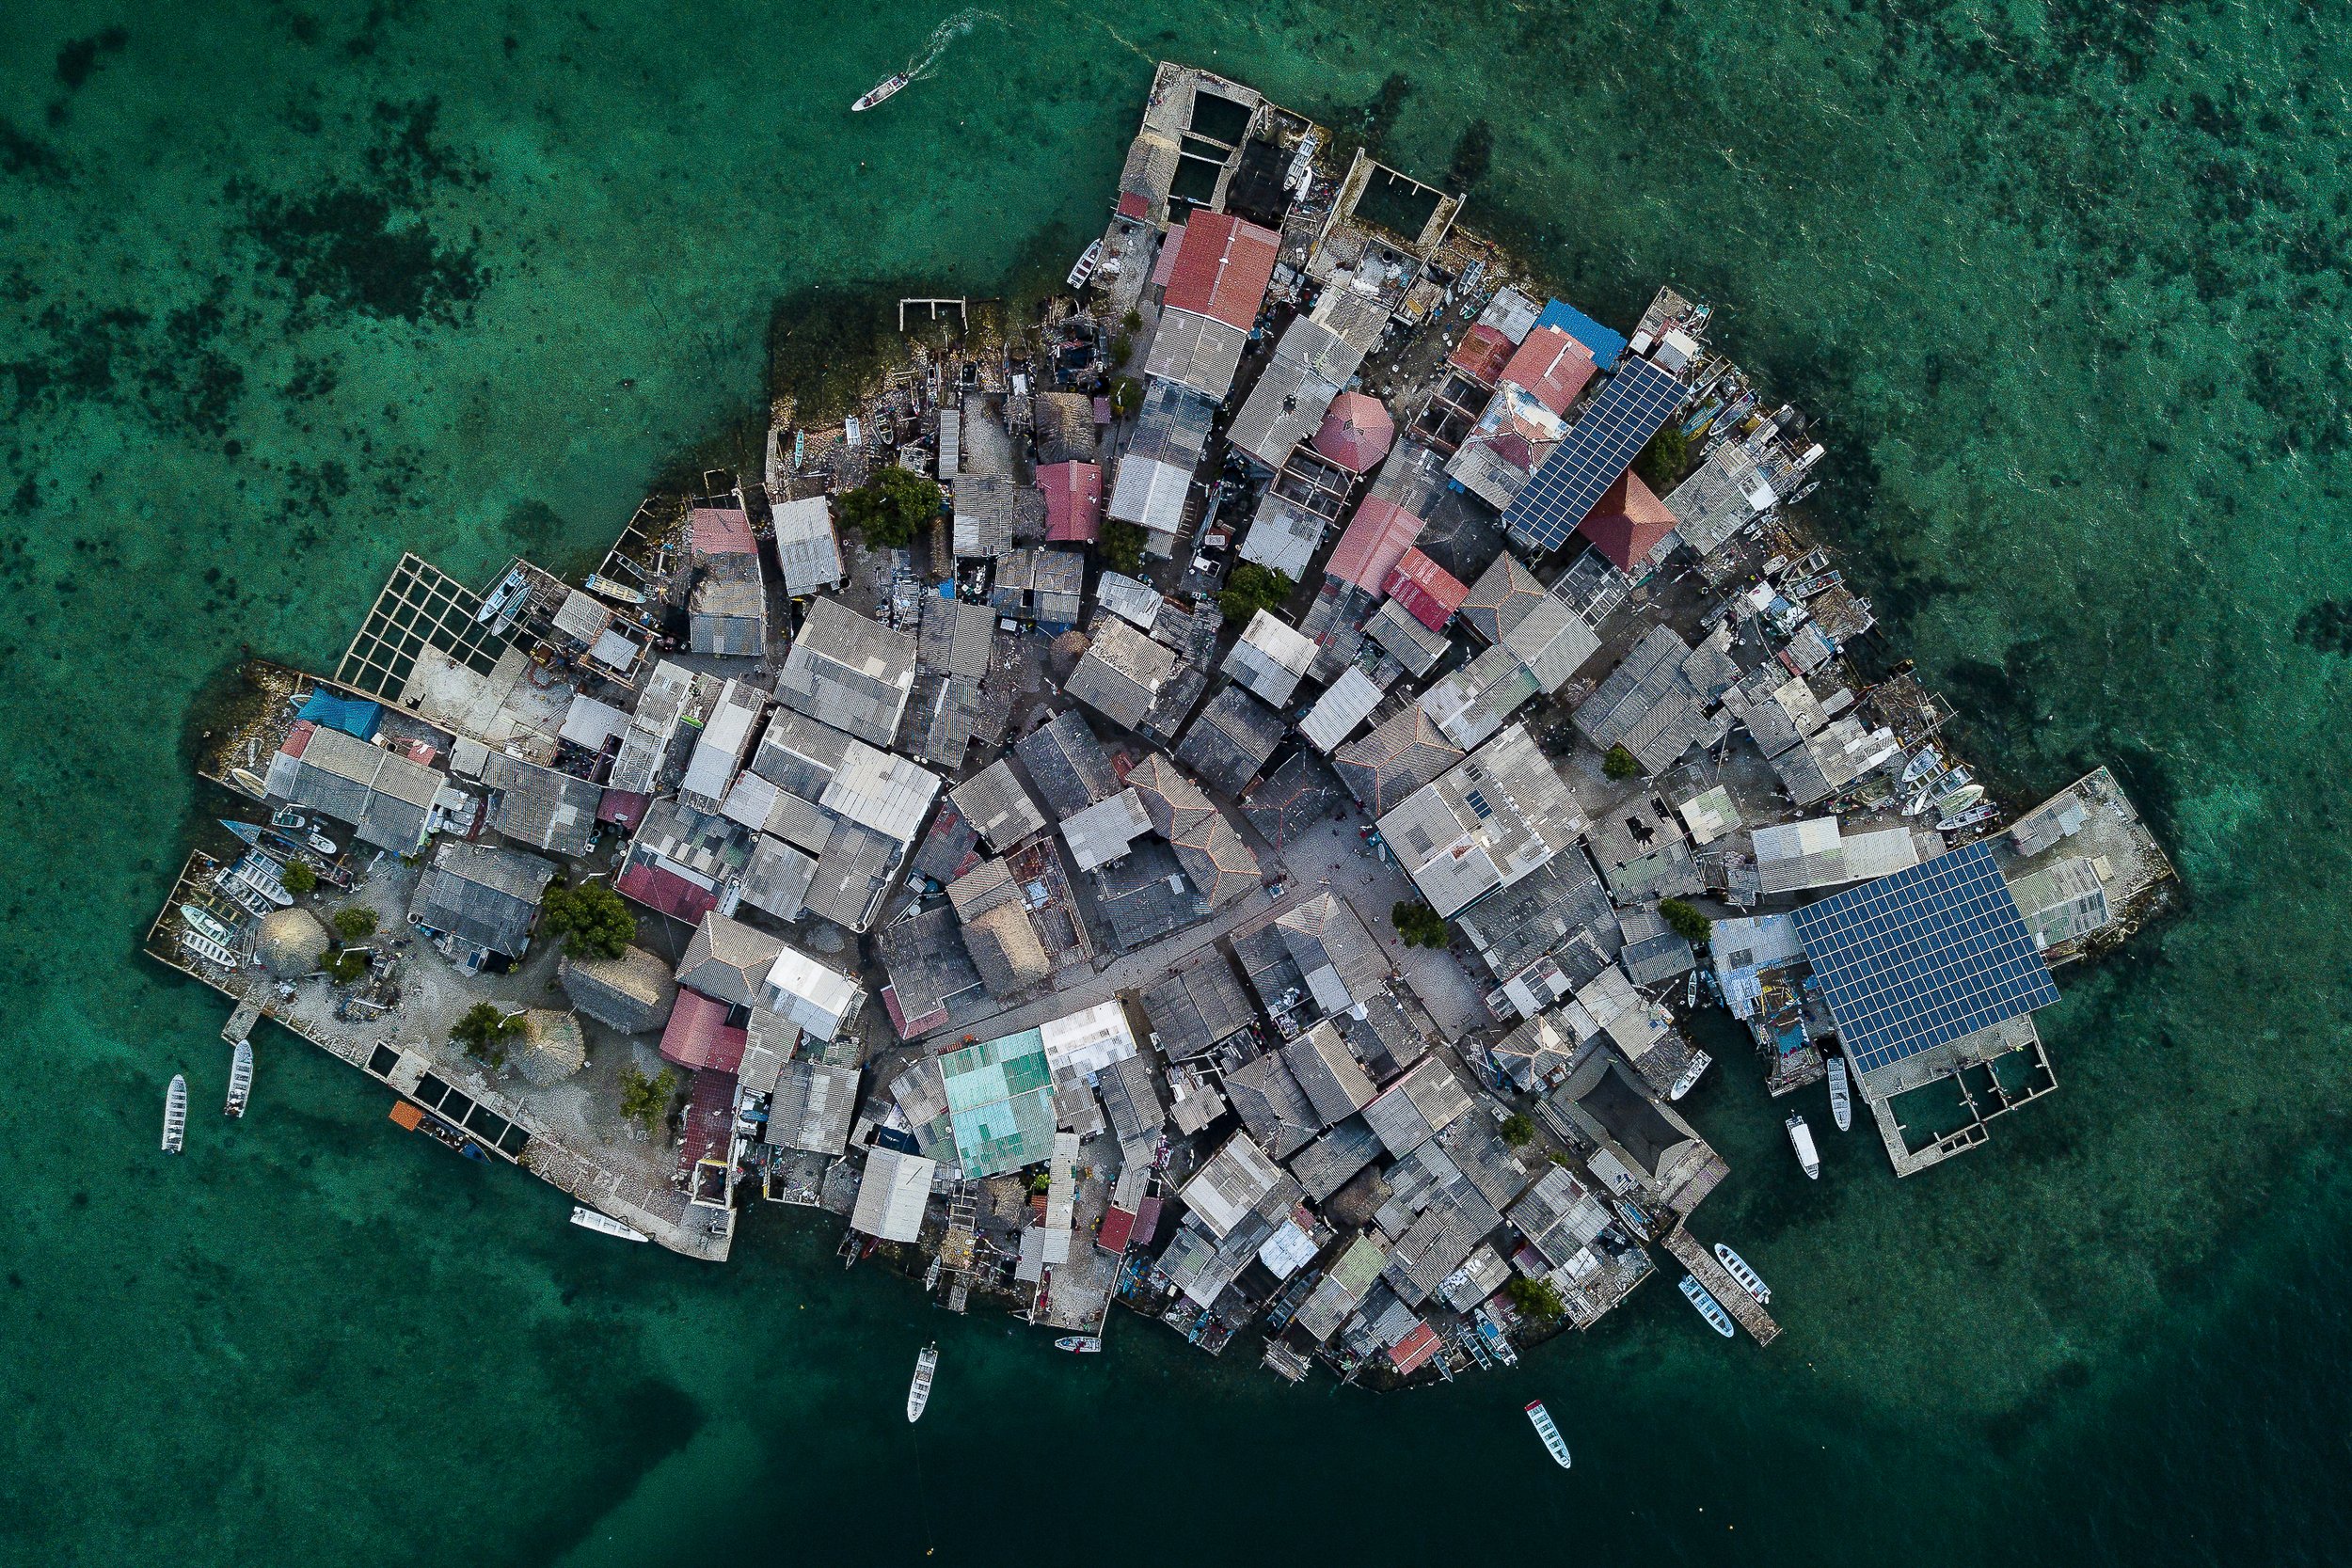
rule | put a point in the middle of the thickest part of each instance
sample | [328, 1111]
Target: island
[1237, 795]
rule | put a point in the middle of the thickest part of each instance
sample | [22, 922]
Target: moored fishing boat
[1087, 263]
[207, 949]
[1748, 1279]
[605, 1225]
[415, 1118]
[1800, 1139]
[1700, 1061]
[176, 1115]
[323, 844]
[1840, 1092]
[240, 1080]
[1080, 1344]
[207, 925]
[1983, 811]
[880, 91]
[919, 1391]
[1557, 1445]
[1924, 761]
[1709, 1308]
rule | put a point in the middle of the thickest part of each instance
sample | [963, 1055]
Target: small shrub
[355, 923]
[1517, 1130]
[1620, 764]
[593, 921]
[300, 879]
[1685, 921]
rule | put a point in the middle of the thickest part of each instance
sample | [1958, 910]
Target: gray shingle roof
[1068, 765]
[482, 894]
[997, 807]
[1230, 739]
[849, 672]
[1197, 1005]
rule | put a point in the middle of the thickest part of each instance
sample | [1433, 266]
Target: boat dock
[1744, 1308]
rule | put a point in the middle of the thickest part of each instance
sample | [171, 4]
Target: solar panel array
[1922, 957]
[1599, 447]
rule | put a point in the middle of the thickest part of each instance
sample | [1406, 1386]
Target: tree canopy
[645, 1100]
[889, 507]
[355, 922]
[1685, 920]
[1251, 588]
[1665, 459]
[592, 920]
[486, 1030]
[1122, 548]
[1620, 764]
[342, 966]
[1418, 925]
[1517, 1129]
[1126, 396]
[1538, 1299]
[300, 879]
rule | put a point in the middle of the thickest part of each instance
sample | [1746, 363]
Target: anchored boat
[1923, 762]
[176, 1115]
[919, 1391]
[1087, 263]
[1700, 1061]
[1748, 1279]
[1800, 1139]
[208, 925]
[1548, 1432]
[1840, 1094]
[1982, 811]
[1709, 1308]
[882, 89]
[240, 1080]
[1080, 1344]
[414, 1118]
[605, 1225]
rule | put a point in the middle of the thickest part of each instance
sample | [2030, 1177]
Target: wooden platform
[1744, 1308]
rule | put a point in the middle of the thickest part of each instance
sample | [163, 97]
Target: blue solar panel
[1919, 958]
[1600, 446]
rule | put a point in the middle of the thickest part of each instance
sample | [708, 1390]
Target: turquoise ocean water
[285, 290]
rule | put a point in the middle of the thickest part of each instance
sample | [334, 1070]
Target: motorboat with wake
[879, 91]
[240, 1080]
[1707, 1307]
[1840, 1094]
[1800, 1139]
[919, 1391]
[1747, 1278]
[605, 1225]
[176, 1115]
[1080, 1344]
[1555, 1444]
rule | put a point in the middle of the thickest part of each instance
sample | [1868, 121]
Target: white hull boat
[605, 1225]
[1840, 1094]
[1700, 1061]
[1800, 1139]
[1707, 1305]
[176, 1115]
[919, 1391]
[240, 1080]
[207, 925]
[1749, 1280]
[882, 89]
[1080, 1344]
[208, 950]
[1983, 811]
[1923, 762]
[1554, 1443]
[1080, 274]
[323, 844]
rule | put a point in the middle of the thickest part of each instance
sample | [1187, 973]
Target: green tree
[343, 966]
[486, 1030]
[1126, 396]
[1133, 320]
[355, 922]
[888, 508]
[1418, 925]
[646, 1100]
[1620, 764]
[1517, 1129]
[300, 879]
[1122, 548]
[592, 920]
[1122, 346]
[1663, 462]
[1536, 1299]
[1251, 588]
[1685, 920]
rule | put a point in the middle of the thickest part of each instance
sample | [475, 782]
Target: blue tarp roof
[347, 714]
[1606, 345]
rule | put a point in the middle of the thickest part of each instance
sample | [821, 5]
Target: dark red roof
[1356, 432]
[299, 738]
[1627, 522]
[721, 530]
[1482, 354]
[709, 1119]
[1552, 365]
[1118, 1229]
[1147, 1221]
[624, 806]
[1427, 589]
[1414, 1348]
[665, 891]
[1224, 268]
[1074, 500]
[699, 1036]
[1374, 543]
[1133, 205]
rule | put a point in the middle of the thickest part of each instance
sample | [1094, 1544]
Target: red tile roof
[1414, 1348]
[1074, 500]
[1373, 544]
[1427, 589]
[624, 806]
[1224, 269]
[699, 1036]
[1482, 354]
[299, 738]
[665, 891]
[1627, 522]
[1133, 205]
[719, 530]
[1552, 365]
[1118, 1230]
[1356, 432]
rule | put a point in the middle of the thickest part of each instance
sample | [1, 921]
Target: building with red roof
[1410, 1353]
[699, 1036]
[719, 530]
[1373, 544]
[1356, 432]
[1427, 590]
[1074, 500]
[663, 890]
[1482, 354]
[1116, 1229]
[1628, 523]
[1551, 366]
[1223, 268]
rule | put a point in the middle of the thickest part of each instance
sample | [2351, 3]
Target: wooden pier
[1744, 1308]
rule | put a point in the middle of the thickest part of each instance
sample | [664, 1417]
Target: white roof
[808, 994]
[891, 1199]
[1132, 601]
[590, 723]
[1709, 816]
[1287, 1251]
[1872, 855]
[1232, 1181]
[467, 757]
[724, 738]
[1106, 830]
[879, 790]
[1270, 658]
[1087, 1042]
[1339, 710]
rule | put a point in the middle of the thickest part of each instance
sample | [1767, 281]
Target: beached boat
[1087, 263]
[1924, 761]
[1749, 1280]
[1800, 1139]
[919, 1391]
[1840, 1094]
[258, 874]
[284, 816]
[207, 925]
[1557, 1445]
[207, 949]
[176, 1115]
[1709, 1308]
[1806, 587]
[880, 91]
[605, 1225]
[1960, 799]
[1080, 1344]
[240, 1080]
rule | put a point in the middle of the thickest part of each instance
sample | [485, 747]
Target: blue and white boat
[1548, 1432]
[1709, 1308]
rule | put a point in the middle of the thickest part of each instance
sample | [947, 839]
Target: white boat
[258, 874]
[919, 1391]
[604, 1224]
[1087, 263]
[1080, 1344]
[1840, 1094]
[240, 1079]
[1951, 783]
[1548, 1432]
[1926, 760]
[176, 1115]
[323, 844]
[1800, 1139]
[1749, 1280]
[287, 818]
[1960, 799]
[1983, 811]
[882, 89]
[1700, 1062]
[208, 950]
[1709, 1308]
[207, 925]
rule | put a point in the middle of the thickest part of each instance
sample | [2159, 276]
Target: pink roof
[708, 1125]
[1356, 433]
[665, 891]
[1552, 365]
[1101, 410]
[1414, 1348]
[1147, 1221]
[1373, 544]
[299, 738]
[1164, 265]
[1482, 354]
[909, 1028]
[699, 1036]
[1627, 522]
[1224, 269]
[719, 530]
[1074, 500]
[1427, 589]
[624, 806]
[422, 752]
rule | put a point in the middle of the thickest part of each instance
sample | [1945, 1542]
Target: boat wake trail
[921, 64]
